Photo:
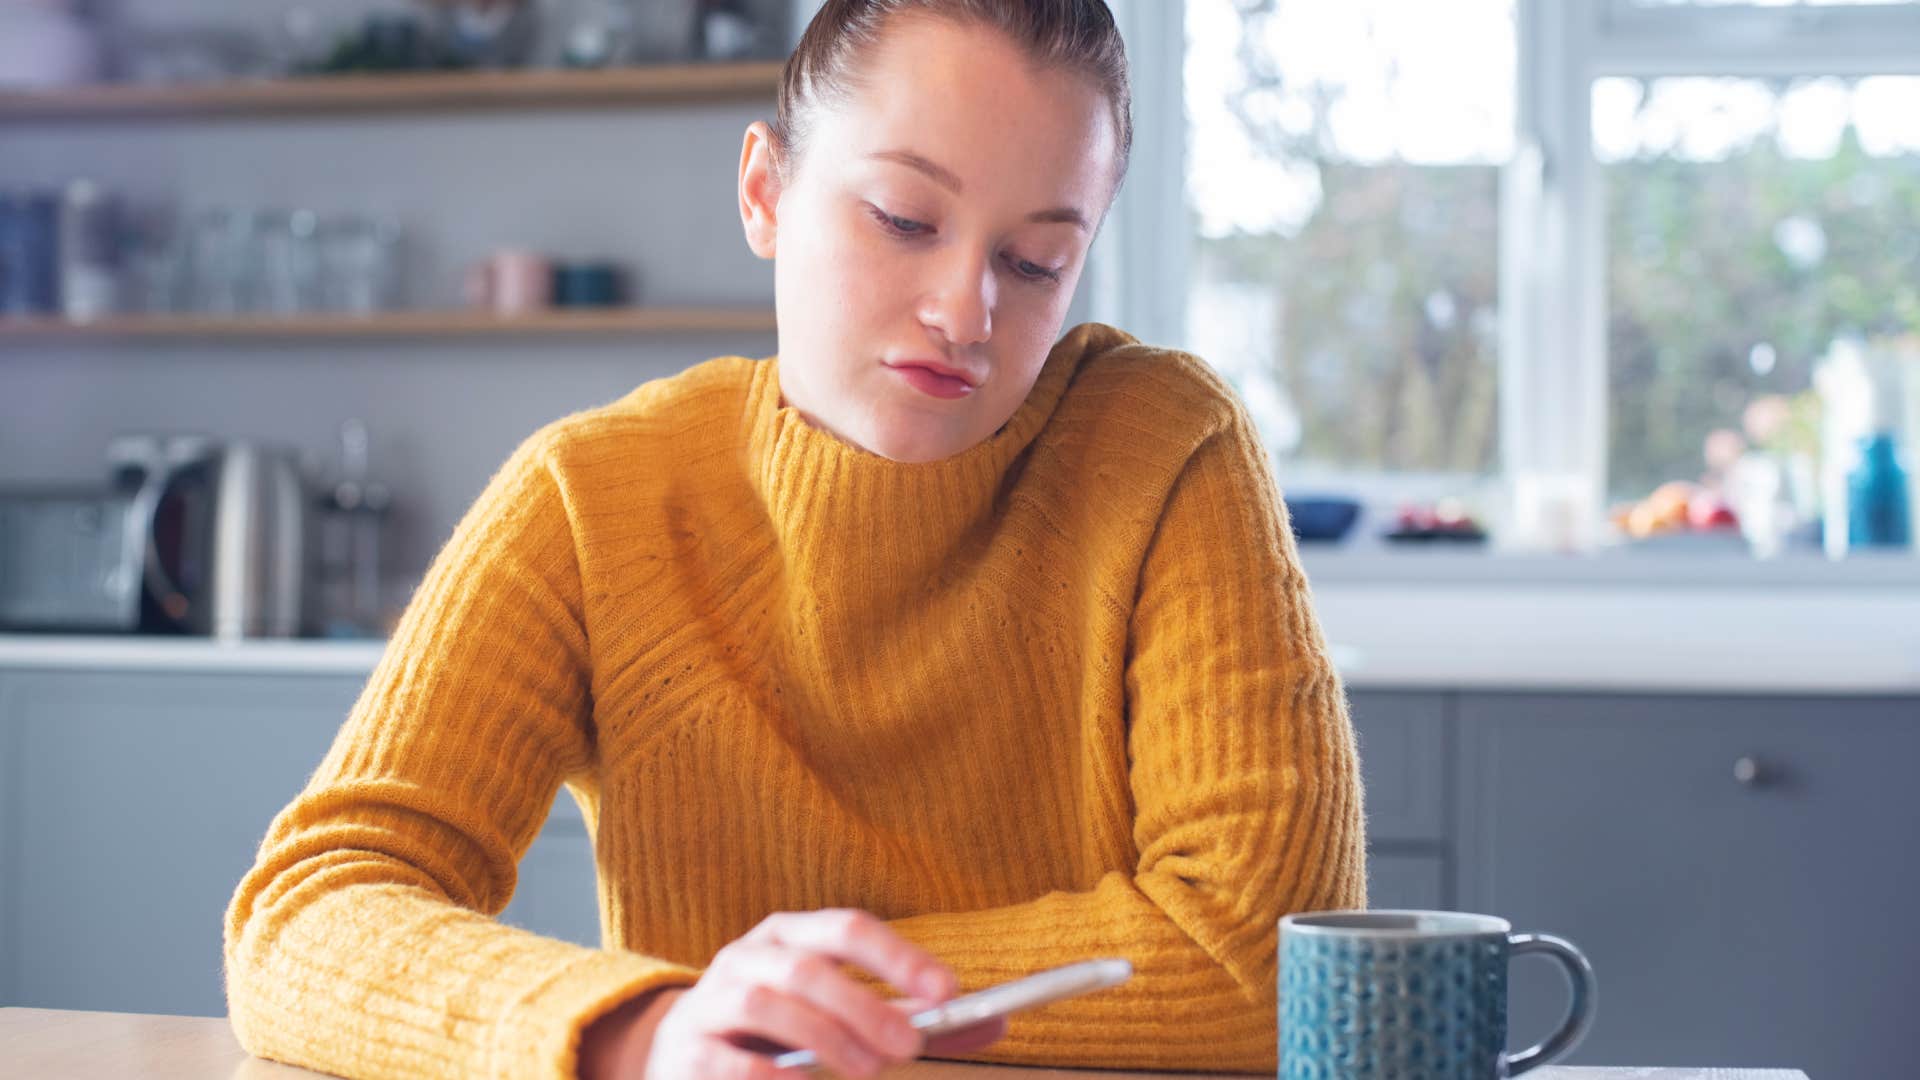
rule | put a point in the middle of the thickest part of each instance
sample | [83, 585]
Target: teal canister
[1416, 995]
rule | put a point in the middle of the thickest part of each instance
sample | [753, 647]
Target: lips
[939, 369]
[934, 379]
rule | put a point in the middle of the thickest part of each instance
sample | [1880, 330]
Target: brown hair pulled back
[1078, 36]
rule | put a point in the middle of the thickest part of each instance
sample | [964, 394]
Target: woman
[930, 647]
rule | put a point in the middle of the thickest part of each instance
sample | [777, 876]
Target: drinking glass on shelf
[217, 271]
[600, 34]
[301, 41]
[156, 267]
[360, 260]
[289, 261]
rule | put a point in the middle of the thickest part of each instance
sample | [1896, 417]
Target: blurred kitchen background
[1585, 335]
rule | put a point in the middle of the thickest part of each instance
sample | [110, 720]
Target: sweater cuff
[541, 1036]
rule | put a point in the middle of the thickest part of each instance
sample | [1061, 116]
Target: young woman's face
[941, 215]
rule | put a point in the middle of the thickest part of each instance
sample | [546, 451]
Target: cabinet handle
[1747, 772]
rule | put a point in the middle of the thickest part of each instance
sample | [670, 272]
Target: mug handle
[1579, 1011]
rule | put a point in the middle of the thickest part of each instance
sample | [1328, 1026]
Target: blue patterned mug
[1419, 995]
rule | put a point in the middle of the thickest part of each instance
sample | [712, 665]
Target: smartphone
[967, 1010]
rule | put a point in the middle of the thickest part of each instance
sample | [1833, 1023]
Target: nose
[960, 303]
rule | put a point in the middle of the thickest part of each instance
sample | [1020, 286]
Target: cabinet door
[135, 802]
[1406, 880]
[1740, 871]
[1400, 736]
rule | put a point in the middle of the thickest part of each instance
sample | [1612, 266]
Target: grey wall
[653, 188]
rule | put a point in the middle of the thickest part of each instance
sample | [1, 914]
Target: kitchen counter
[128, 652]
[1709, 639]
[1534, 634]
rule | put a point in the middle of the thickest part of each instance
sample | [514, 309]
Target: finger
[859, 937]
[760, 1012]
[815, 978]
[721, 1060]
[968, 1039]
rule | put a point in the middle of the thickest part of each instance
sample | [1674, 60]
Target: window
[1750, 224]
[1342, 190]
[1755, 171]
[1534, 251]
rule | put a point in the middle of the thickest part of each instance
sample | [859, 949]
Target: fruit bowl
[1321, 519]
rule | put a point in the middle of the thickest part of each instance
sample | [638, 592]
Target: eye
[907, 228]
[1034, 272]
[899, 226]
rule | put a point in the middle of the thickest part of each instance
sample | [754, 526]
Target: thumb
[965, 1040]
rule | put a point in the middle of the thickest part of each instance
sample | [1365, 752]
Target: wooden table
[131, 1046]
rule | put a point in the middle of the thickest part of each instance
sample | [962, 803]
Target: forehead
[970, 100]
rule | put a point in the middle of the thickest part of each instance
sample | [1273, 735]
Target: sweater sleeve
[363, 941]
[1246, 791]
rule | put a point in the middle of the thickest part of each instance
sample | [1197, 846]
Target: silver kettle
[259, 542]
[242, 571]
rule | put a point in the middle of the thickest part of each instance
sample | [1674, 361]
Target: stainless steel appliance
[191, 535]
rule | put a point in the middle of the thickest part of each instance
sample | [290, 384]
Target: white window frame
[1553, 302]
[1137, 268]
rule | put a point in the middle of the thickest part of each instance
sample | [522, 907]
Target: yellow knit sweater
[1060, 695]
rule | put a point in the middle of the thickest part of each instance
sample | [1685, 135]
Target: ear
[759, 189]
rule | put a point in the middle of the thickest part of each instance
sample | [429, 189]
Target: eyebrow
[945, 178]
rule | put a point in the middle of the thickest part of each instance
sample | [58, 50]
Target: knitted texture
[1058, 696]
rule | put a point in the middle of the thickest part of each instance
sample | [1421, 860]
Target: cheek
[836, 276]
[864, 269]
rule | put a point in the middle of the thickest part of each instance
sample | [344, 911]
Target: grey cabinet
[134, 803]
[1741, 872]
[130, 805]
[556, 893]
[1402, 736]
[1406, 880]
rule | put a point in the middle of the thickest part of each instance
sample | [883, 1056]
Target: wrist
[616, 1044]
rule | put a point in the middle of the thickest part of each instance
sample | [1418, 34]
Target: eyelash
[886, 220]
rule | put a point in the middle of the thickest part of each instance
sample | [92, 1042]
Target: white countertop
[1653, 638]
[1822, 639]
[126, 652]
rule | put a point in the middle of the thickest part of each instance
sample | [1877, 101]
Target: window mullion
[1553, 377]
[1139, 265]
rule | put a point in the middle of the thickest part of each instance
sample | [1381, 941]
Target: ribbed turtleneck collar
[837, 507]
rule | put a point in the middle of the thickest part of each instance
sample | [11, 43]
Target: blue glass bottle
[1877, 510]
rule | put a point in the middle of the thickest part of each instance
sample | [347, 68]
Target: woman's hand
[780, 987]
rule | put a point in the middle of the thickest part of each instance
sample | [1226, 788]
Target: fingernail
[934, 984]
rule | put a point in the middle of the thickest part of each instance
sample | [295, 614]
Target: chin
[916, 445]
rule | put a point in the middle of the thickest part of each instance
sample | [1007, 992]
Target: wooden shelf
[405, 90]
[396, 324]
